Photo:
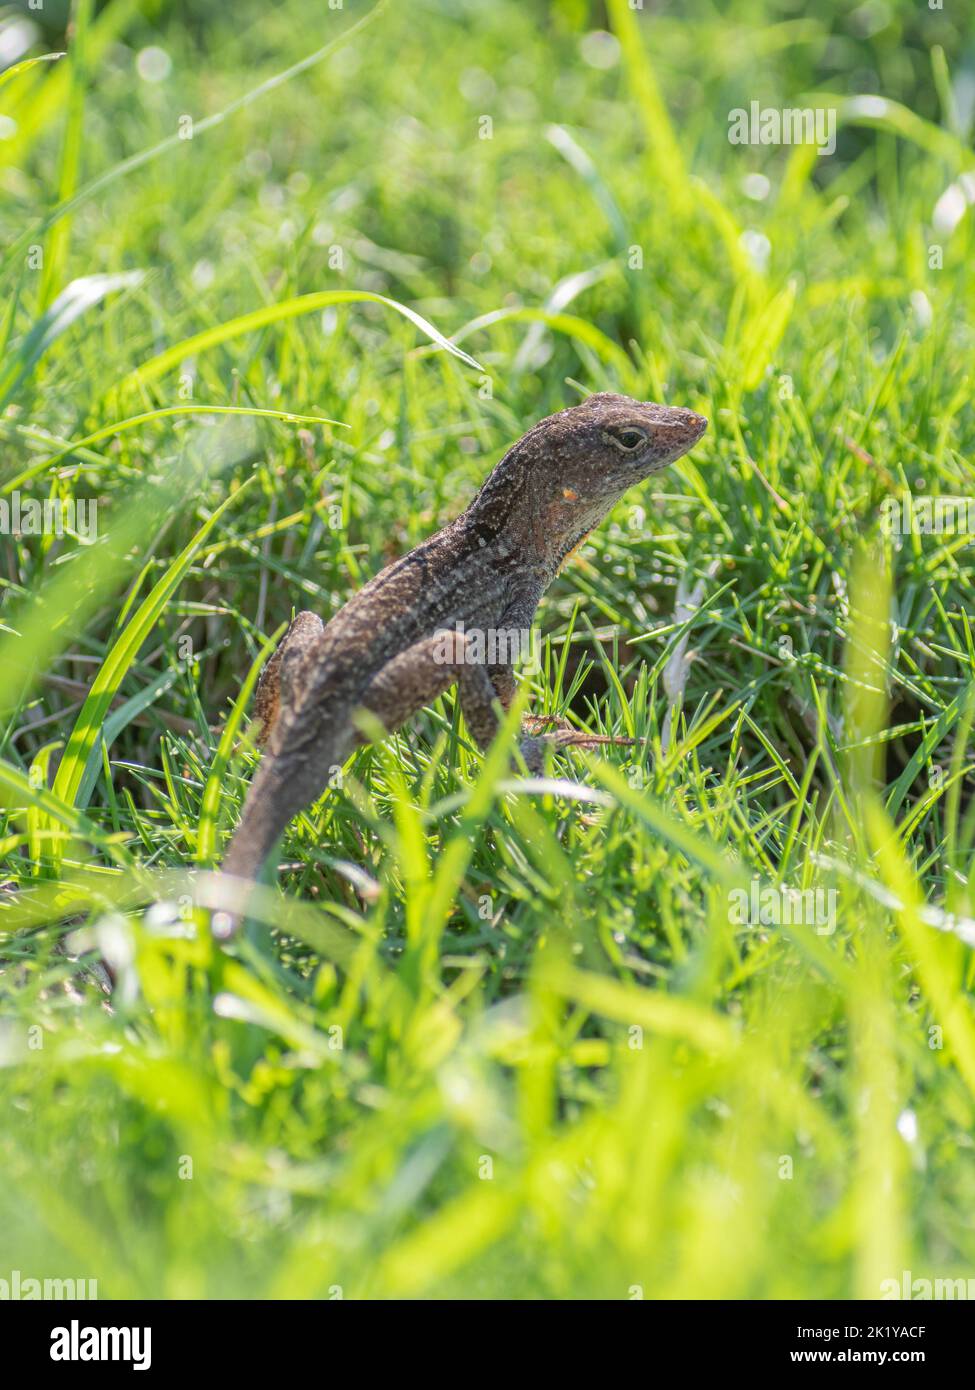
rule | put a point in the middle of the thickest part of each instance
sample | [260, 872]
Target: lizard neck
[496, 514]
[509, 517]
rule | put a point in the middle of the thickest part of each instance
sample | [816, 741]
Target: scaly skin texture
[384, 652]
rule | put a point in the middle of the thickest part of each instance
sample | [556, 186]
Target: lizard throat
[570, 550]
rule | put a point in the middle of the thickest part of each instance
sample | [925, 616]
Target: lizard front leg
[422, 673]
[539, 730]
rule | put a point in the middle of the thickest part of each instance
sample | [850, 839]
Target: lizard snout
[692, 426]
[694, 423]
[681, 428]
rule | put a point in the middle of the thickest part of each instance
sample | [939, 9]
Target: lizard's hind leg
[305, 630]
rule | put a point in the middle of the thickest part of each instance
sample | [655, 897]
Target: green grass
[490, 1038]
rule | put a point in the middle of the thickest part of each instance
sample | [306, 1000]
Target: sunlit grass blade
[658, 130]
[159, 365]
[65, 450]
[113, 669]
[650, 1009]
[137, 161]
[570, 325]
[937, 957]
[71, 146]
[25, 65]
[17, 791]
[73, 301]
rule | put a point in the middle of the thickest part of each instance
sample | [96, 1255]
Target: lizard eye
[629, 439]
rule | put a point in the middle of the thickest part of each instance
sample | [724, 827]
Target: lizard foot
[539, 730]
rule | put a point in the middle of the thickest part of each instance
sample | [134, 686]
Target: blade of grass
[91, 717]
[19, 68]
[73, 301]
[157, 366]
[136, 161]
[120, 427]
[658, 131]
[57, 248]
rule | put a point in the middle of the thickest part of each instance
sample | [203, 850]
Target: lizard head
[570, 469]
[608, 442]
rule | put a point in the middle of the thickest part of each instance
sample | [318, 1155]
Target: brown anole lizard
[385, 652]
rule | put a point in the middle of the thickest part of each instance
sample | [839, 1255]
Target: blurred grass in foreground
[504, 1040]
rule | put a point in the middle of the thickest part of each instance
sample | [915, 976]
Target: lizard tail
[261, 824]
[281, 787]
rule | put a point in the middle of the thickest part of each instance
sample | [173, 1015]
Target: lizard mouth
[646, 468]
